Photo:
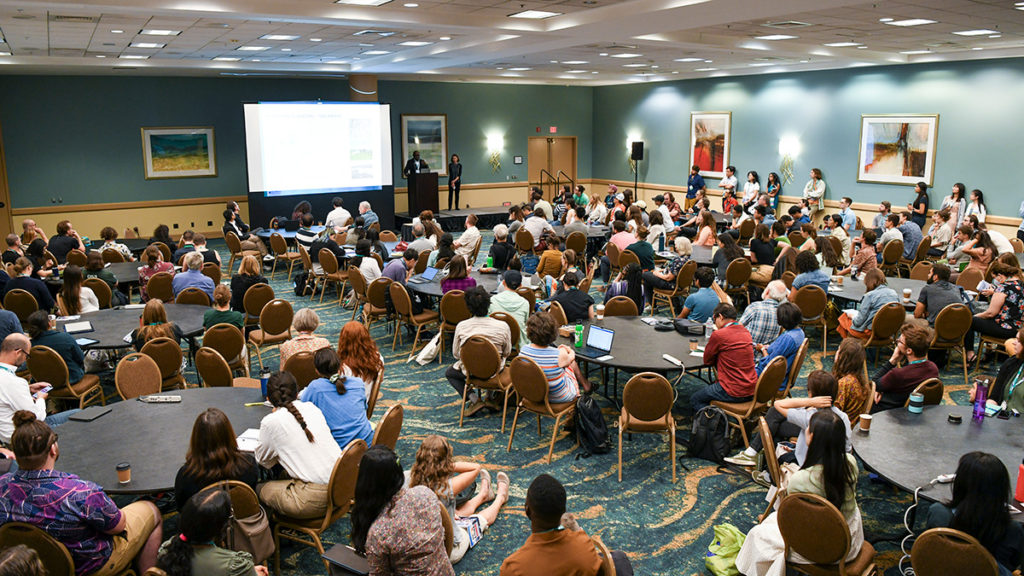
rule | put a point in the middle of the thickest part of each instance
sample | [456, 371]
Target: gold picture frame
[178, 152]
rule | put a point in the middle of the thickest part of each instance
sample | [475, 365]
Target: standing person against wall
[919, 208]
[814, 192]
[454, 181]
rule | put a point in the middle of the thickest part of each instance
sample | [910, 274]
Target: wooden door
[551, 160]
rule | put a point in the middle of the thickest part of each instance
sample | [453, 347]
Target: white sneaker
[741, 459]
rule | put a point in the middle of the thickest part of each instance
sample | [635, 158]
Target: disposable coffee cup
[835, 279]
[906, 294]
[693, 344]
[599, 311]
[865, 423]
[839, 280]
[124, 472]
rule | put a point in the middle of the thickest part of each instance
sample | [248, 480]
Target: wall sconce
[630, 139]
[789, 149]
[495, 143]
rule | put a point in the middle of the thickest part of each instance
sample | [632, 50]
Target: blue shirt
[911, 238]
[817, 278]
[395, 271]
[872, 302]
[369, 217]
[701, 304]
[345, 413]
[849, 219]
[9, 324]
[786, 346]
[694, 183]
[192, 279]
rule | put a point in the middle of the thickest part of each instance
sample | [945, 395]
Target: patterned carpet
[665, 528]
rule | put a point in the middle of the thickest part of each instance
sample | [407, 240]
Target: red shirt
[731, 351]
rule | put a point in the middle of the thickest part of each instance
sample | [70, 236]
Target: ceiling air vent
[74, 19]
[786, 25]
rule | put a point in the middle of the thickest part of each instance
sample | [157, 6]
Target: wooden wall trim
[478, 186]
[125, 205]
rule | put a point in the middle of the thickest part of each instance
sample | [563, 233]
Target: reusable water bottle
[579, 334]
[264, 378]
[980, 397]
[1018, 494]
[661, 243]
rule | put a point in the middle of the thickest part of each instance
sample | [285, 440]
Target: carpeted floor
[665, 528]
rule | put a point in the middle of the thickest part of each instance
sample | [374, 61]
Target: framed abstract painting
[709, 142]
[179, 152]
[897, 148]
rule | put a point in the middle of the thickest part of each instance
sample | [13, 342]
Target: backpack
[709, 437]
[591, 431]
[301, 280]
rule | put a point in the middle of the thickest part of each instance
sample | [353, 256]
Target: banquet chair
[275, 326]
[421, 262]
[969, 279]
[389, 428]
[355, 278]
[403, 308]
[524, 241]
[167, 354]
[921, 270]
[621, 306]
[612, 252]
[229, 341]
[837, 245]
[647, 407]
[513, 328]
[388, 236]
[794, 370]
[768, 384]
[448, 528]
[77, 258]
[771, 461]
[453, 310]
[627, 257]
[607, 562]
[47, 366]
[932, 390]
[212, 271]
[159, 287]
[102, 291]
[951, 326]
[919, 256]
[111, 256]
[869, 403]
[816, 530]
[21, 302]
[885, 328]
[245, 505]
[341, 491]
[164, 249]
[253, 301]
[949, 552]
[279, 247]
[476, 252]
[892, 253]
[684, 280]
[213, 371]
[577, 242]
[137, 375]
[62, 305]
[558, 313]
[314, 272]
[737, 279]
[234, 248]
[812, 300]
[377, 296]
[380, 261]
[531, 386]
[193, 295]
[530, 296]
[301, 366]
[332, 274]
[55, 556]
[373, 394]
[485, 370]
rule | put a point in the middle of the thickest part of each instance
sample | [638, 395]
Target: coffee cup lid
[123, 466]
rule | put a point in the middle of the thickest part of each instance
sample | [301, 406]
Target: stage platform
[455, 220]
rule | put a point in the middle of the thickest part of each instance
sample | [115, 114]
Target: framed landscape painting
[428, 134]
[180, 152]
[897, 149]
[709, 142]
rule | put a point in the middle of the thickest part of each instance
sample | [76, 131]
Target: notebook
[249, 440]
[78, 327]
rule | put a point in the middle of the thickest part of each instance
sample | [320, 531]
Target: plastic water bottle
[1018, 494]
[579, 334]
[980, 397]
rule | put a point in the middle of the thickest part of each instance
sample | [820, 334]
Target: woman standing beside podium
[454, 181]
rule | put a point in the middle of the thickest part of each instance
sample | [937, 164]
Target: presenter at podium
[414, 166]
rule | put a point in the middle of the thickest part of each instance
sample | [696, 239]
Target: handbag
[251, 534]
[429, 352]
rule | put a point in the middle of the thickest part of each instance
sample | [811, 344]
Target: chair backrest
[770, 459]
[380, 261]
[388, 236]
[159, 286]
[400, 299]
[307, 262]
[244, 502]
[621, 306]
[343, 482]
[302, 367]
[746, 231]
[788, 277]
[374, 393]
[837, 245]
[577, 242]
[154, 571]
[377, 292]
[55, 556]
[888, 321]
[923, 248]
[47, 366]
[234, 244]
[449, 529]
[869, 403]
[811, 300]
[476, 251]
[166, 353]
[328, 261]
[390, 427]
[212, 271]
[738, 273]
[480, 358]
[137, 375]
[952, 324]
[278, 244]
[529, 380]
[112, 256]
[647, 396]
[611, 250]
[921, 270]
[524, 240]
[62, 305]
[813, 528]
[255, 298]
[212, 368]
[513, 325]
[794, 370]
[558, 313]
[165, 251]
[21, 302]
[771, 380]
[421, 262]
[276, 317]
[795, 239]
[101, 289]
[374, 226]
[932, 390]
[529, 295]
[627, 257]
[192, 295]
[892, 252]
[355, 278]
[226, 339]
[969, 279]
[441, 263]
[453, 307]
[77, 257]
[1018, 245]
[684, 279]
[949, 552]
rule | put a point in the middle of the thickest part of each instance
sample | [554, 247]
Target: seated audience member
[865, 259]
[622, 240]
[556, 285]
[561, 552]
[788, 343]
[798, 217]
[509, 301]
[358, 353]
[577, 304]
[209, 256]
[102, 538]
[304, 324]
[912, 235]
[905, 370]
[537, 224]
[445, 249]
[999, 240]
[1009, 376]
[21, 560]
[338, 217]
[978, 507]
[890, 232]
[980, 250]
[367, 264]
[878, 221]
[400, 270]
[419, 242]
[43, 266]
[628, 283]
[221, 313]
[762, 255]
[828, 259]
[790, 417]
[558, 363]
[877, 294]
[376, 246]
[478, 301]
[728, 250]
[643, 249]
[299, 439]
[700, 305]
[194, 552]
[187, 245]
[367, 214]
[78, 299]
[94, 268]
[502, 251]
[809, 273]
[458, 277]
[233, 223]
[576, 222]
[664, 278]
[1005, 311]
[468, 240]
[436, 469]
[154, 324]
[191, 276]
[109, 236]
[810, 236]
[739, 216]
[760, 318]
[16, 393]
[66, 240]
[851, 371]
[305, 235]
[161, 234]
[213, 456]
[23, 280]
[828, 471]
[249, 274]
[341, 399]
[940, 232]
[730, 350]
[14, 249]
[356, 232]
[154, 265]
[30, 231]
[937, 294]
[551, 259]
[398, 529]
[835, 224]
[9, 324]
[44, 333]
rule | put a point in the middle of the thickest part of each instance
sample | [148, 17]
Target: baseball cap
[620, 197]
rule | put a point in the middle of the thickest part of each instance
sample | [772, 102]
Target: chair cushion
[371, 309]
[245, 383]
[87, 382]
[738, 408]
[858, 566]
[258, 337]
[559, 408]
[425, 316]
[637, 425]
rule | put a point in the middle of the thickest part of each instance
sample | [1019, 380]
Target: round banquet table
[286, 234]
[110, 326]
[853, 290]
[153, 438]
[136, 245]
[127, 273]
[910, 450]
[433, 288]
[637, 347]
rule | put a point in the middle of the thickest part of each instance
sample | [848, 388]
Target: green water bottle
[490, 262]
[579, 334]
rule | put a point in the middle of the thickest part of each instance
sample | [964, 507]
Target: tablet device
[86, 341]
[348, 559]
[78, 327]
[89, 414]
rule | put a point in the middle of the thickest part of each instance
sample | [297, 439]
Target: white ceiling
[581, 46]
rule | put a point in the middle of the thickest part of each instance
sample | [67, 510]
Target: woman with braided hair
[204, 518]
[296, 436]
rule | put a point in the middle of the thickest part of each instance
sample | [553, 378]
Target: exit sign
[553, 129]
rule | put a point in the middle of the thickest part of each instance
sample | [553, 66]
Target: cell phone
[45, 389]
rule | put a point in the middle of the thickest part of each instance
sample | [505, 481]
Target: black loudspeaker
[638, 151]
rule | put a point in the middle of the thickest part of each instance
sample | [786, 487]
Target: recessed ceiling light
[252, 48]
[316, 39]
[256, 60]
[147, 45]
[534, 14]
[376, 52]
[760, 64]
[688, 59]
[575, 62]
[520, 69]
[227, 59]
[977, 48]
[705, 69]
[885, 19]
[675, 71]
[286, 49]
[117, 31]
[754, 46]
[861, 47]
[160, 32]
[634, 65]
[5, 53]
[575, 71]
[911, 22]
[411, 5]
[981, 32]
[626, 55]
[446, 37]
[708, 61]
[776, 37]
[279, 37]
[913, 52]
[133, 57]
[415, 43]
[996, 36]
[337, 62]
[100, 56]
[363, 2]
[594, 72]
[842, 44]
[603, 54]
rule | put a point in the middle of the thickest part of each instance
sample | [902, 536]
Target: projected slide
[325, 147]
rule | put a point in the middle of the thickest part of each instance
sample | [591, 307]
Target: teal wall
[981, 119]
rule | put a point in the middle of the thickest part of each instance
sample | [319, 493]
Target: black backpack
[301, 282]
[709, 437]
[591, 431]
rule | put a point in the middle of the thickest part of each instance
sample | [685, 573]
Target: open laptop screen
[600, 338]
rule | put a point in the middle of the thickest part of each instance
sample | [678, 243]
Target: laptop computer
[428, 276]
[599, 342]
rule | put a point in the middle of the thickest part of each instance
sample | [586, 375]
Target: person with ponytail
[203, 521]
[102, 538]
[296, 436]
[342, 399]
[154, 324]
[828, 471]
[21, 560]
[399, 530]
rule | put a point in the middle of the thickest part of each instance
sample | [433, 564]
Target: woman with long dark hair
[454, 181]
[629, 283]
[975, 207]
[956, 203]
[445, 249]
[978, 507]
[851, 372]
[78, 299]
[981, 250]
[193, 552]
[161, 234]
[458, 277]
[398, 529]
[154, 324]
[773, 187]
[342, 399]
[42, 265]
[705, 229]
[828, 260]
[728, 250]
[213, 456]
[919, 207]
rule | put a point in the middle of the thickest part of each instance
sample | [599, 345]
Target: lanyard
[1016, 382]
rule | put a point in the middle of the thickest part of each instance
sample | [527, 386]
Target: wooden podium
[422, 192]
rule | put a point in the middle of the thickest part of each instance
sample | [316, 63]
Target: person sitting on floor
[478, 302]
[730, 350]
[342, 399]
[894, 384]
